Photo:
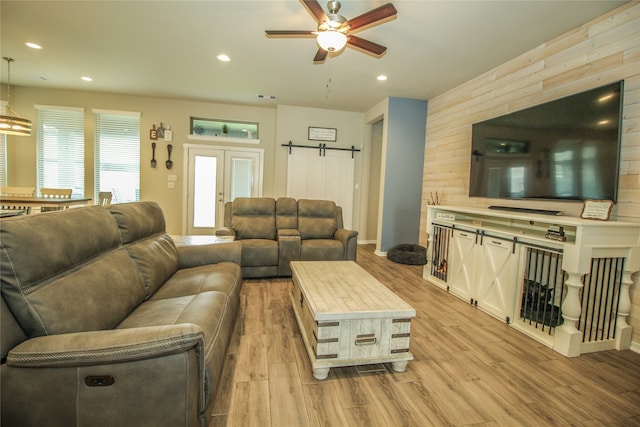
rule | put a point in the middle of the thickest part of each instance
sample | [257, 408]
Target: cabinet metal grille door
[542, 289]
[440, 251]
[600, 299]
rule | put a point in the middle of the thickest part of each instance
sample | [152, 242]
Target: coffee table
[347, 317]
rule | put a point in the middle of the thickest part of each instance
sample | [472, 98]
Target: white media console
[561, 280]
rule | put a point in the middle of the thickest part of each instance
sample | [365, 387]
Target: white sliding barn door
[326, 177]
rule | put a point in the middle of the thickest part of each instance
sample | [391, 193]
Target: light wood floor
[469, 369]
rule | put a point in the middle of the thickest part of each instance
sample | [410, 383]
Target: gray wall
[406, 129]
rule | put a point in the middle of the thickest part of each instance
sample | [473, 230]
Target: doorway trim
[225, 148]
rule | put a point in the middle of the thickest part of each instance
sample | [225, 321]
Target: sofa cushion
[65, 271]
[254, 218]
[142, 227]
[222, 277]
[137, 220]
[157, 260]
[316, 219]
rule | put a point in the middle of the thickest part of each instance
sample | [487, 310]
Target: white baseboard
[635, 347]
[366, 242]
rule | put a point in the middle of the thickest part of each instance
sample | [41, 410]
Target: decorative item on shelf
[12, 123]
[153, 133]
[153, 155]
[434, 200]
[168, 134]
[169, 162]
[597, 209]
[161, 130]
[225, 129]
[556, 232]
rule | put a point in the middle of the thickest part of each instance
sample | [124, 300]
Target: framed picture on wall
[323, 134]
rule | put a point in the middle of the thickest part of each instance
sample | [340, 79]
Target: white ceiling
[169, 48]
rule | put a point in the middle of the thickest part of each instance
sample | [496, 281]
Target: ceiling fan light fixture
[12, 123]
[332, 41]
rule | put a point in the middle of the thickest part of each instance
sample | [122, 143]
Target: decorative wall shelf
[228, 139]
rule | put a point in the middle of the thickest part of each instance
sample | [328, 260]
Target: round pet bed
[406, 253]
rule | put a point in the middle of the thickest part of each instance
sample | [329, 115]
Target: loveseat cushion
[254, 218]
[286, 213]
[321, 250]
[259, 252]
[65, 271]
[316, 219]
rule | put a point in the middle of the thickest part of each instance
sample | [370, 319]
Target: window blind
[117, 155]
[60, 148]
[3, 150]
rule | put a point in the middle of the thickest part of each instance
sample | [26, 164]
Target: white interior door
[326, 177]
[205, 189]
[216, 176]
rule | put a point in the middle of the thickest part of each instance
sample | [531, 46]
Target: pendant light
[12, 123]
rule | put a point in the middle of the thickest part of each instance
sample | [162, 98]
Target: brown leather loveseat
[275, 232]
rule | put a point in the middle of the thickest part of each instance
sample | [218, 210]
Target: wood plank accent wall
[602, 51]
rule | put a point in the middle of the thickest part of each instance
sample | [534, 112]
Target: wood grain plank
[286, 400]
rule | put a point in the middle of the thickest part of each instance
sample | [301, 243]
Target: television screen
[567, 149]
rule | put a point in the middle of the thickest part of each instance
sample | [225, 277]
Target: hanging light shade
[12, 123]
[331, 41]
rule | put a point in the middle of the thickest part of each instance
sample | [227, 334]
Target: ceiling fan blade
[289, 33]
[366, 45]
[373, 16]
[315, 9]
[321, 54]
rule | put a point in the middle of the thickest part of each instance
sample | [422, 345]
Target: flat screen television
[566, 149]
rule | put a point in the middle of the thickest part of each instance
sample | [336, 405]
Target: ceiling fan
[335, 31]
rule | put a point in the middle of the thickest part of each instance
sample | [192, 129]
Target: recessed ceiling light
[604, 122]
[224, 58]
[605, 97]
[33, 45]
[86, 79]
[381, 77]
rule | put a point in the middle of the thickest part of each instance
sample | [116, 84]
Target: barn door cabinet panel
[563, 281]
[482, 270]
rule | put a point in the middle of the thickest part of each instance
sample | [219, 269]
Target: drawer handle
[367, 339]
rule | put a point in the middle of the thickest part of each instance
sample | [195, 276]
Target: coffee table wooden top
[338, 290]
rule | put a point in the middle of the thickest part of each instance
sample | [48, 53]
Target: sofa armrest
[106, 347]
[349, 239]
[226, 232]
[213, 253]
[112, 374]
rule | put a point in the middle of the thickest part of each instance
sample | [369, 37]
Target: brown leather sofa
[275, 232]
[105, 322]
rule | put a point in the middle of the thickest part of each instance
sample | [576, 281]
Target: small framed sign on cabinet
[597, 209]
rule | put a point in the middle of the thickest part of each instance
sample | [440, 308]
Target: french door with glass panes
[216, 175]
